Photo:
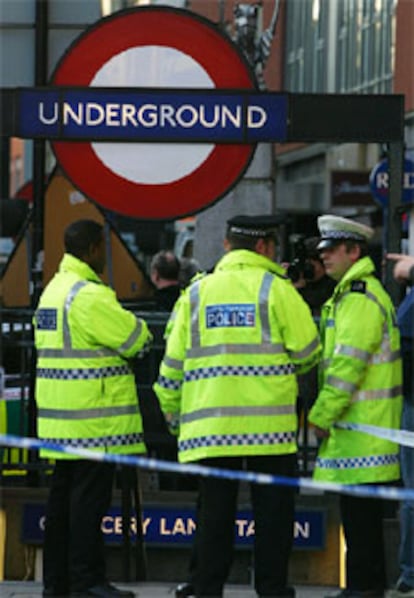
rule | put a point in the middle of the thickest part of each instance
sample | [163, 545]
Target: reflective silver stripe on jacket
[67, 341]
[237, 349]
[219, 412]
[88, 413]
[378, 393]
[264, 306]
[175, 364]
[385, 355]
[306, 351]
[83, 353]
[135, 334]
[341, 384]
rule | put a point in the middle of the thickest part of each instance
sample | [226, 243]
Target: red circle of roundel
[192, 35]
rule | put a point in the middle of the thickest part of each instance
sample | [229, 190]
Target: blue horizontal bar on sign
[152, 115]
[175, 526]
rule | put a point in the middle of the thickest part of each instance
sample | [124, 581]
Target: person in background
[189, 267]
[404, 273]
[86, 398]
[316, 287]
[360, 383]
[228, 378]
[164, 273]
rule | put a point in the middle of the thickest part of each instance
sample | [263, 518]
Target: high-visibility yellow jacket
[85, 389]
[239, 337]
[360, 380]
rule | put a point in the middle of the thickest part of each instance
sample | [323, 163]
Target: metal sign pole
[39, 159]
[393, 240]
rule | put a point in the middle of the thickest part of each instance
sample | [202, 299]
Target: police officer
[86, 398]
[360, 382]
[228, 376]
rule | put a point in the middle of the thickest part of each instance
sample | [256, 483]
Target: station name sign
[152, 115]
[175, 526]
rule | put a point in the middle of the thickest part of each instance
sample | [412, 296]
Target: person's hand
[321, 432]
[404, 264]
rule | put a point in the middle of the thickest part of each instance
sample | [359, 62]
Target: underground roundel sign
[153, 47]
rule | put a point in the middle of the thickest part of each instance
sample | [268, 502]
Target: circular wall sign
[154, 47]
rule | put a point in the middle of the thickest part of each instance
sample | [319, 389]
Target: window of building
[365, 46]
[306, 28]
[345, 46]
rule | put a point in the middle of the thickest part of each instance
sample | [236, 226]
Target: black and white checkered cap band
[251, 232]
[342, 234]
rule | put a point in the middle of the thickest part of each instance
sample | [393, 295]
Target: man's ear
[355, 252]
[226, 245]
[261, 246]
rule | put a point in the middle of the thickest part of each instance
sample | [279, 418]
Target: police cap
[261, 225]
[335, 229]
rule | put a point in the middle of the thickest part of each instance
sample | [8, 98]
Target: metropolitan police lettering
[230, 315]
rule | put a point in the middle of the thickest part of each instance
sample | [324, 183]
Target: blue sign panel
[175, 526]
[142, 115]
[379, 182]
[230, 315]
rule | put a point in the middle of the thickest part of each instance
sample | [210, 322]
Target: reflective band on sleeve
[378, 393]
[135, 334]
[306, 351]
[341, 384]
[175, 364]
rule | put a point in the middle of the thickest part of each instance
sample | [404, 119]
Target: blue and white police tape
[386, 492]
[403, 437]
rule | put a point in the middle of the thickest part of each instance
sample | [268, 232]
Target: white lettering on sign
[382, 180]
[245, 528]
[113, 525]
[301, 530]
[92, 114]
[179, 527]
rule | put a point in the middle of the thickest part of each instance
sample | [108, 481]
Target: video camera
[300, 266]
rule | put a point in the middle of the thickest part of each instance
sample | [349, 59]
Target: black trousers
[362, 519]
[273, 509]
[73, 552]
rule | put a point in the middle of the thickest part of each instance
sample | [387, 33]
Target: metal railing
[18, 408]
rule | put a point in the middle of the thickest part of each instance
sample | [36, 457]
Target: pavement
[33, 589]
